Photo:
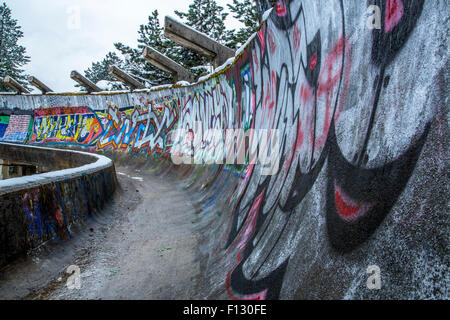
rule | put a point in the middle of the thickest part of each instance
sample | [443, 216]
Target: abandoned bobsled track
[362, 116]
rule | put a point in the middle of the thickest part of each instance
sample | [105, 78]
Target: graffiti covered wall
[48, 206]
[16, 128]
[4, 121]
[139, 129]
[73, 125]
[363, 124]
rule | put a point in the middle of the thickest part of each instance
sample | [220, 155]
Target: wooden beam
[197, 41]
[125, 78]
[84, 82]
[15, 85]
[39, 84]
[168, 65]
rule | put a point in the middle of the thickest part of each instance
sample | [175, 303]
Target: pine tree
[12, 55]
[246, 12]
[203, 15]
[207, 17]
[150, 34]
[99, 71]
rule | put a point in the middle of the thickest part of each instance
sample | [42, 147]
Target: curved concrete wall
[362, 116]
[37, 208]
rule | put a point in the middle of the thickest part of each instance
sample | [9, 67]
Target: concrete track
[359, 116]
[141, 247]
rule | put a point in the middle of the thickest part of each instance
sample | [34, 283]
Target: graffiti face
[358, 198]
[361, 191]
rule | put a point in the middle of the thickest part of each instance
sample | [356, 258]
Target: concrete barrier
[37, 208]
[358, 208]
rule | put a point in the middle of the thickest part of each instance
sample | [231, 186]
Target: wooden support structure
[39, 84]
[15, 85]
[197, 41]
[128, 80]
[168, 65]
[84, 82]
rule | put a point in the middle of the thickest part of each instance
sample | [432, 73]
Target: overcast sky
[60, 40]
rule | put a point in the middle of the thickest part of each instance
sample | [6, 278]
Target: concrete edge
[28, 182]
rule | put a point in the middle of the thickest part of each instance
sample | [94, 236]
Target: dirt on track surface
[142, 246]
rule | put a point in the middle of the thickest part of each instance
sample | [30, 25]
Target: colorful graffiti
[140, 129]
[38, 222]
[18, 129]
[126, 129]
[66, 125]
[4, 121]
